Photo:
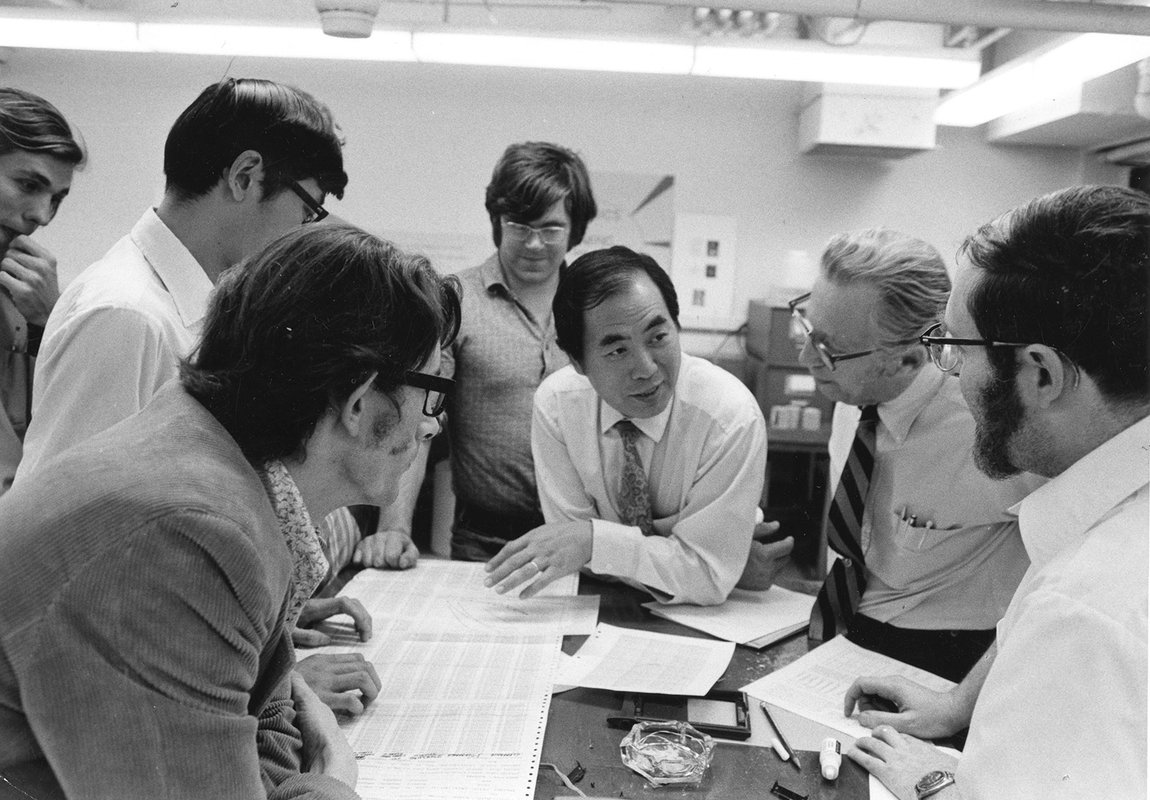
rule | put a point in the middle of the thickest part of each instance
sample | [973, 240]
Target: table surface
[577, 731]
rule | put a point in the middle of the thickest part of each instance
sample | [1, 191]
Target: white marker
[779, 749]
[830, 758]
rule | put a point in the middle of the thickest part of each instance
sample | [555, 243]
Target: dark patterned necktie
[838, 600]
[634, 498]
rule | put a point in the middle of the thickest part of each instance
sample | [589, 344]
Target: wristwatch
[932, 783]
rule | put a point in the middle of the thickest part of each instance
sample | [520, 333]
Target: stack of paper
[755, 619]
[467, 677]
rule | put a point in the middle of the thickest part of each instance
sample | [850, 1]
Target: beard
[999, 419]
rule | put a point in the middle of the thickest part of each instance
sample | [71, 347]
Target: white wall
[421, 142]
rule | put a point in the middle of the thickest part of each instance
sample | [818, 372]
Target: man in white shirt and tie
[650, 462]
[930, 556]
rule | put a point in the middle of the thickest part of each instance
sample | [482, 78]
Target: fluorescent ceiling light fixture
[818, 63]
[1042, 75]
[548, 53]
[796, 61]
[68, 34]
[272, 41]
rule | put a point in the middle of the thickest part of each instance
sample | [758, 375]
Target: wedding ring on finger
[535, 564]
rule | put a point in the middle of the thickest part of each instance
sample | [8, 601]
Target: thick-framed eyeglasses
[315, 208]
[550, 234]
[944, 350]
[802, 326]
[437, 388]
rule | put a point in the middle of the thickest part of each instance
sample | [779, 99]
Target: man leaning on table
[930, 556]
[1046, 330]
[145, 580]
[649, 462]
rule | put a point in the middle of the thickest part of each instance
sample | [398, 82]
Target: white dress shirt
[114, 337]
[1062, 713]
[942, 553]
[705, 458]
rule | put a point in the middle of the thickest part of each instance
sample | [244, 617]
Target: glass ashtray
[667, 753]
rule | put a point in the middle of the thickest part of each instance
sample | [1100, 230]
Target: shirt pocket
[920, 552]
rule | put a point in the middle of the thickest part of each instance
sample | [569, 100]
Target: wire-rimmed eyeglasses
[825, 354]
[549, 234]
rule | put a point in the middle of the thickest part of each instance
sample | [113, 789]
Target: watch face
[932, 782]
[930, 779]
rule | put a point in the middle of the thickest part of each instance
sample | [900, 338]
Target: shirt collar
[492, 273]
[900, 413]
[653, 427]
[1061, 511]
[183, 277]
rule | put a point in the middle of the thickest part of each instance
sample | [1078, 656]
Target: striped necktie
[634, 498]
[838, 599]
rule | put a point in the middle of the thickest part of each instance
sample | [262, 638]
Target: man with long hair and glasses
[1046, 332]
[927, 556]
[146, 584]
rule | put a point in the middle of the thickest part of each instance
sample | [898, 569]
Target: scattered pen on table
[794, 759]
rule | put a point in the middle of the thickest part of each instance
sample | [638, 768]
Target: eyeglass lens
[801, 334]
[523, 233]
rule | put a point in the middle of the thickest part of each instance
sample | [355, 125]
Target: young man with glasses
[39, 152]
[929, 556]
[539, 202]
[247, 161]
[1047, 334]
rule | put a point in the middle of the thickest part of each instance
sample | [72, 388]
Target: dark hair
[290, 129]
[1070, 270]
[303, 323]
[533, 176]
[30, 123]
[591, 279]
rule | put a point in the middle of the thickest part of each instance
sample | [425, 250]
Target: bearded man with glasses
[930, 558]
[1048, 319]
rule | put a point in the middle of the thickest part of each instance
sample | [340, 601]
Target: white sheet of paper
[814, 686]
[627, 660]
[746, 617]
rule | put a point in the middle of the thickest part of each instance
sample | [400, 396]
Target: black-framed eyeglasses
[315, 208]
[550, 234]
[944, 350]
[436, 386]
[802, 326]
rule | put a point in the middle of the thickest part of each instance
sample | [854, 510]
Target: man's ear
[1043, 377]
[353, 412]
[909, 360]
[245, 176]
[578, 367]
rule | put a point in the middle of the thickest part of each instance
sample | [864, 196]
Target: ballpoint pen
[794, 759]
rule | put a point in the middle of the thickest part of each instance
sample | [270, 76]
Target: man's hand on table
[766, 558]
[541, 556]
[904, 706]
[344, 682]
[326, 750]
[386, 550]
[318, 609]
[900, 761]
